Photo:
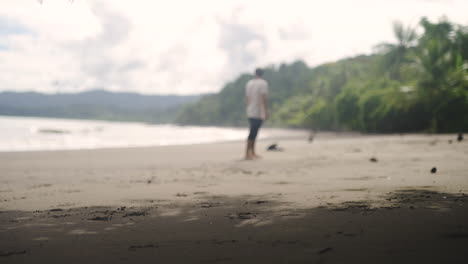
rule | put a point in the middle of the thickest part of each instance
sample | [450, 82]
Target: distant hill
[95, 104]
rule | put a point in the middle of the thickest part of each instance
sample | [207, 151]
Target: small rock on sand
[100, 218]
[324, 250]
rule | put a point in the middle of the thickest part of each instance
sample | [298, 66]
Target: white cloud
[184, 46]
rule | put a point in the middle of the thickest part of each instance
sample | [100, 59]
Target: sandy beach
[338, 199]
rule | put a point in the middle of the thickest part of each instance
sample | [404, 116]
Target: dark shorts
[255, 125]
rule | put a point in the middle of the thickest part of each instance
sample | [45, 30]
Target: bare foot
[255, 156]
[249, 157]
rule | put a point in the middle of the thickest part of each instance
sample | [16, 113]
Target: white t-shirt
[254, 89]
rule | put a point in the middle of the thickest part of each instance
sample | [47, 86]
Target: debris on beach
[460, 137]
[257, 202]
[100, 218]
[373, 159]
[151, 180]
[434, 170]
[274, 147]
[324, 250]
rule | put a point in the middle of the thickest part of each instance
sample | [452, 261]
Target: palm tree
[395, 54]
[442, 83]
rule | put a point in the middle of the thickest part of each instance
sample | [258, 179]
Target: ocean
[39, 134]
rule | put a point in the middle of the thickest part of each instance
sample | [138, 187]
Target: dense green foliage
[419, 83]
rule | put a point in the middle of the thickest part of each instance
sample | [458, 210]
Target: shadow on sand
[406, 226]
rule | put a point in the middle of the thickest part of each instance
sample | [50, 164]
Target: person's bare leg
[249, 150]
[255, 156]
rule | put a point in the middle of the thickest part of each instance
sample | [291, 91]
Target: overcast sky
[188, 46]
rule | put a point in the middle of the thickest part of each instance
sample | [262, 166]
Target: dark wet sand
[362, 216]
[219, 231]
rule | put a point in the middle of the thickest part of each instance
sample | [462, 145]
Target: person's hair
[259, 72]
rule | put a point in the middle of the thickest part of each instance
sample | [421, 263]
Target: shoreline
[34, 134]
[301, 134]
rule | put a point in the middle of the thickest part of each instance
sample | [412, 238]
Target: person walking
[256, 98]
